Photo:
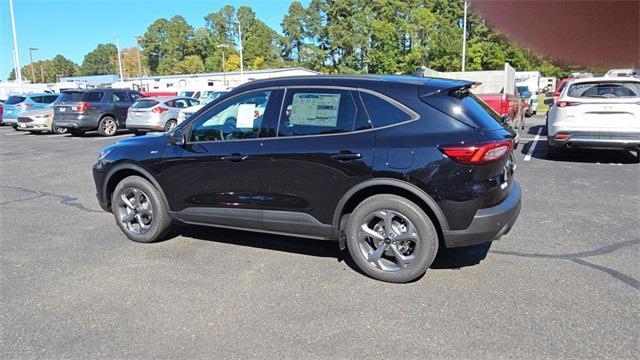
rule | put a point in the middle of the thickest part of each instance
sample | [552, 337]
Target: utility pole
[240, 44]
[139, 63]
[15, 46]
[119, 58]
[33, 74]
[464, 36]
[224, 74]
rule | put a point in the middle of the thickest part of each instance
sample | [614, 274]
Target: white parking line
[533, 146]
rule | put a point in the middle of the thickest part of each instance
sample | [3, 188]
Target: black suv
[390, 167]
[104, 110]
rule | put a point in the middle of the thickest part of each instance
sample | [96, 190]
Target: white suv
[595, 113]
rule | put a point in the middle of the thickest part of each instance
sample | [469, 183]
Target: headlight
[43, 116]
[104, 152]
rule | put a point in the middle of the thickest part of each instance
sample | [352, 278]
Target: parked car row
[101, 110]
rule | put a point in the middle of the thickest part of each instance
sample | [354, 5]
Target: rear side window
[37, 99]
[604, 90]
[316, 112]
[381, 112]
[93, 97]
[48, 99]
[144, 104]
[15, 100]
[134, 95]
[466, 108]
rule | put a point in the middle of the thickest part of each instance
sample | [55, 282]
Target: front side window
[48, 99]
[381, 112]
[134, 95]
[237, 118]
[317, 112]
[120, 96]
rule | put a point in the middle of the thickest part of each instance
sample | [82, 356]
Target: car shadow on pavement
[616, 157]
[445, 259]
[534, 130]
[94, 134]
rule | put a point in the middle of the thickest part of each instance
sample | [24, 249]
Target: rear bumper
[614, 141]
[488, 224]
[80, 122]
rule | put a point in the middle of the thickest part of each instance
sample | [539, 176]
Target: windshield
[524, 91]
[604, 90]
[15, 100]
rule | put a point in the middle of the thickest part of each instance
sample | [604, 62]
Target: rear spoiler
[435, 86]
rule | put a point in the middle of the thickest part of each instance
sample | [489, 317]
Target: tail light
[82, 106]
[479, 153]
[562, 136]
[567, 103]
[504, 105]
[159, 110]
[24, 106]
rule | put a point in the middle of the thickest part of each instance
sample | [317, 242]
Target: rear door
[121, 103]
[316, 155]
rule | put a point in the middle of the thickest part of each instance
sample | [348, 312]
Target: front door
[213, 178]
[322, 148]
[121, 103]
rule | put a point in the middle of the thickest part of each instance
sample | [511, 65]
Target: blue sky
[72, 28]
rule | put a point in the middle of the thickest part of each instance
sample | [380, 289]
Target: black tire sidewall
[427, 234]
[166, 125]
[160, 223]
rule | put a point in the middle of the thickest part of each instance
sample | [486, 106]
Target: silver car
[39, 120]
[157, 113]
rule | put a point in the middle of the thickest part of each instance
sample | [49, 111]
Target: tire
[170, 125]
[58, 130]
[75, 132]
[385, 265]
[144, 218]
[108, 126]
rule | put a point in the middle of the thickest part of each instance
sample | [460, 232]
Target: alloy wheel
[388, 240]
[135, 211]
[109, 126]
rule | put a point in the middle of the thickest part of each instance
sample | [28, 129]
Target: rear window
[381, 112]
[15, 100]
[604, 90]
[72, 96]
[467, 108]
[144, 104]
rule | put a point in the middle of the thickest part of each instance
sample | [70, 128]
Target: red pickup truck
[510, 107]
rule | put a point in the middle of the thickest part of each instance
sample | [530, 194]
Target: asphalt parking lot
[563, 284]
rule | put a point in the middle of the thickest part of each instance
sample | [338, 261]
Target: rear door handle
[346, 156]
[235, 157]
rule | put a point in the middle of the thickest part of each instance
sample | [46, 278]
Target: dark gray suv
[104, 110]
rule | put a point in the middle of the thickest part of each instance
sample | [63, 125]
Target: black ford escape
[390, 167]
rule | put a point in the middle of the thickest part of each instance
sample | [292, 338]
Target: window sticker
[315, 109]
[246, 115]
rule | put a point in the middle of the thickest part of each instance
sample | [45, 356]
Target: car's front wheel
[391, 238]
[170, 125]
[139, 210]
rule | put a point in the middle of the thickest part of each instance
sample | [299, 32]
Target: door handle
[346, 156]
[235, 157]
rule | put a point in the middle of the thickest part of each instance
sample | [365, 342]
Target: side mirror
[176, 137]
[548, 101]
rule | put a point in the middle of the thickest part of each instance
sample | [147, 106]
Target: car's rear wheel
[139, 210]
[391, 239]
[108, 126]
[58, 130]
[170, 125]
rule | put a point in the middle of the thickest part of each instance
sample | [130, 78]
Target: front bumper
[488, 224]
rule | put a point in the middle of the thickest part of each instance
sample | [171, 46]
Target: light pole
[464, 37]
[15, 46]
[240, 45]
[224, 74]
[33, 74]
[119, 58]
[139, 63]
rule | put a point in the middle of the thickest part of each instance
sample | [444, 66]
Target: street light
[33, 74]
[240, 45]
[139, 63]
[15, 47]
[464, 36]
[224, 74]
[119, 59]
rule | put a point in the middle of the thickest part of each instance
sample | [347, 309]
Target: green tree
[167, 42]
[293, 26]
[189, 65]
[61, 66]
[101, 60]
